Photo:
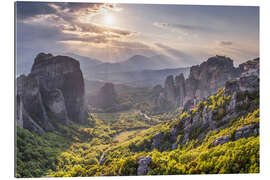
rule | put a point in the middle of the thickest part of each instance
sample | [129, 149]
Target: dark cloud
[73, 7]
[43, 33]
[53, 27]
[184, 58]
[31, 9]
[25, 10]
[226, 43]
[65, 17]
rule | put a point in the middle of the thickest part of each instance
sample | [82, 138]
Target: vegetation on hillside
[100, 148]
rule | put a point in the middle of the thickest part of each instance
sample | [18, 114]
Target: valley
[205, 123]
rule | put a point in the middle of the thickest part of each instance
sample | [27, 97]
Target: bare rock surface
[53, 91]
[143, 167]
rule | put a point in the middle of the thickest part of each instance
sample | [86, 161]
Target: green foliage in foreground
[37, 154]
[241, 156]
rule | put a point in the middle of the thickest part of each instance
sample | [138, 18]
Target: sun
[109, 19]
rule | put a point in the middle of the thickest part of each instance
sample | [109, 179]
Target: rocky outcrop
[221, 140]
[205, 80]
[243, 132]
[107, 96]
[52, 92]
[157, 139]
[238, 98]
[106, 100]
[207, 119]
[143, 165]
[246, 131]
[169, 87]
[249, 65]
[180, 89]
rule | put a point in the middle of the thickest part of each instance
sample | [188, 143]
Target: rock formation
[249, 65]
[209, 76]
[180, 89]
[143, 165]
[205, 79]
[245, 131]
[239, 97]
[169, 88]
[107, 96]
[52, 92]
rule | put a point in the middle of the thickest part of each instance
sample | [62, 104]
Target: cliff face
[209, 76]
[52, 92]
[238, 98]
[204, 80]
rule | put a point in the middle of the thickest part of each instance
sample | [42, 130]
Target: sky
[186, 34]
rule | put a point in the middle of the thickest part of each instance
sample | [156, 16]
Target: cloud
[225, 43]
[27, 10]
[67, 18]
[86, 39]
[183, 27]
[93, 28]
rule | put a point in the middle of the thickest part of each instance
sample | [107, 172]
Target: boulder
[143, 165]
[174, 146]
[249, 83]
[221, 140]
[156, 141]
[246, 131]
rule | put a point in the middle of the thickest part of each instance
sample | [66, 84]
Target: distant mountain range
[140, 78]
[136, 63]
[138, 70]
[86, 63]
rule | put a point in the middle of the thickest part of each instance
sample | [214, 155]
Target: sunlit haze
[186, 34]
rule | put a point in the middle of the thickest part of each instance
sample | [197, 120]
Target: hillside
[214, 134]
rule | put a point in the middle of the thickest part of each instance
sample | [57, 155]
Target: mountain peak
[137, 57]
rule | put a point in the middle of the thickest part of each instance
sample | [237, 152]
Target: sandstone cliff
[52, 92]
